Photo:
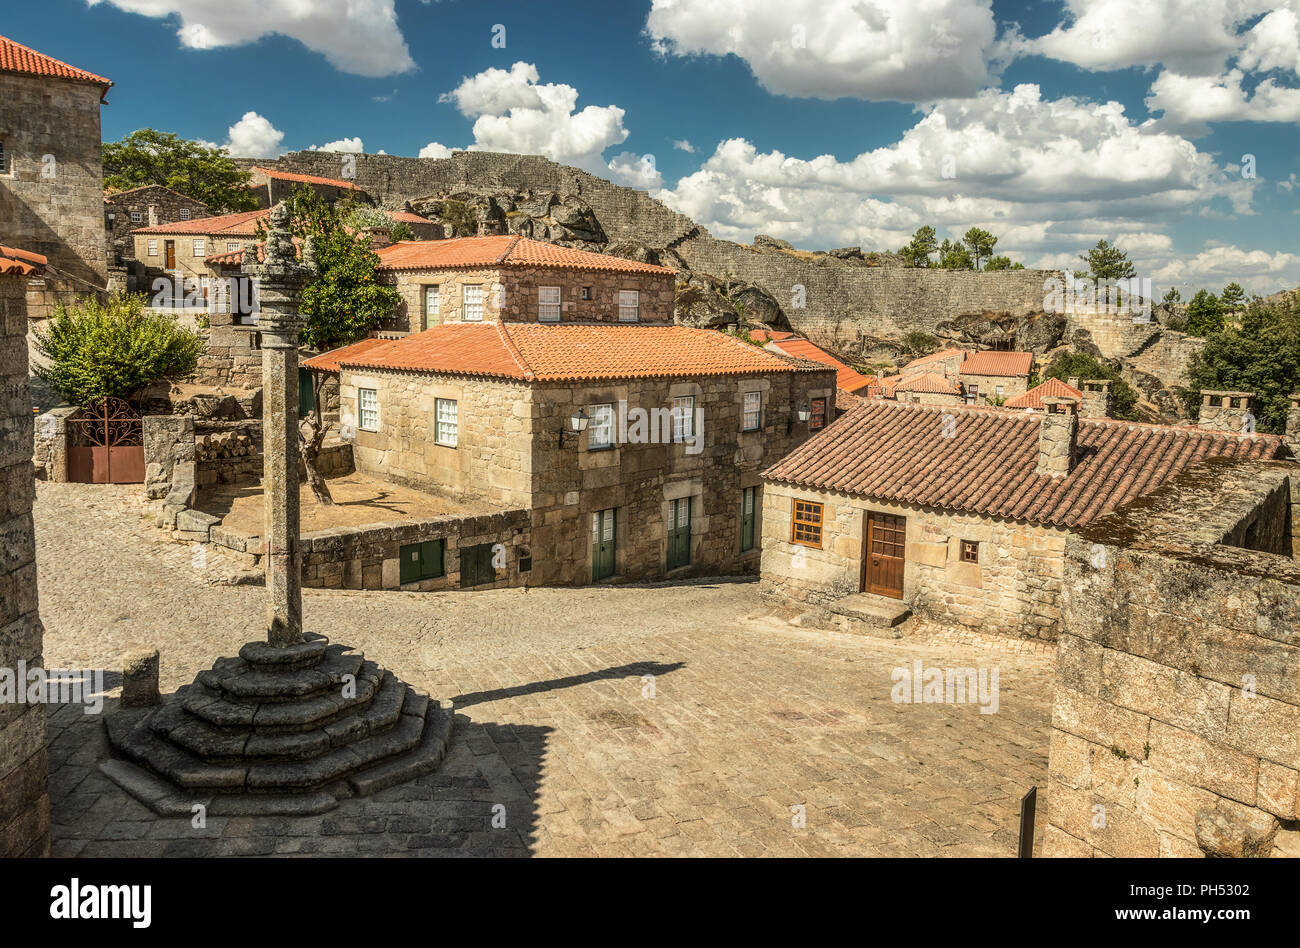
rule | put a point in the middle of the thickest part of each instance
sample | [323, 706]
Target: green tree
[917, 343]
[1233, 298]
[953, 256]
[459, 218]
[401, 231]
[1204, 314]
[1261, 355]
[113, 348]
[1173, 297]
[1069, 364]
[923, 244]
[1002, 263]
[1107, 263]
[979, 244]
[205, 174]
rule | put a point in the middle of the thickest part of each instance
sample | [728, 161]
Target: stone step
[872, 610]
[280, 717]
[242, 682]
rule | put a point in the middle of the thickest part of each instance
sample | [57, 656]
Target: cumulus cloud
[514, 111]
[682, 144]
[434, 150]
[904, 50]
[1258, 271]
[356, 36]
[253, 136]
[348, 145]
[635, 171]
[1189, 102]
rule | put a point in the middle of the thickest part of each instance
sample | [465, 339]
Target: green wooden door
[747, 518]
[603, 540]
[476, 565]
[421, 561]
[679, 533]
[306, 396]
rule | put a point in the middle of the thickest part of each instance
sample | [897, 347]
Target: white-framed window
[629, 305]
[200, 246]
[232, 246]
[548, 304]
[472, 299]
[153, 246]
[752, 411]
[432, 305]
[368, 408]
[446, 423]
[683, 415]
[185, 213]
[136, 217]
[997, 390]
[600, 431]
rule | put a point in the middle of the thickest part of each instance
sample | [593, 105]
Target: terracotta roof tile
[305, 178]
[897, 452]
[533, 352]
[15, 57]
[931, 382]
[994, 362]
[941, 355]
[23, 262]
[768, 335]
[329, 361]
[240, 224]
[234, 258]
[408, 217]
[502, 251]
[1052, 388]
[799, 348]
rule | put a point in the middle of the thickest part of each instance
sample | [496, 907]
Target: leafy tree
[459, 218]
[205, 174]
[1107, 263]
[401, 231]
[113, 348]
[979, 244]
[917, 252]
[1204, 314]
[1002, 263]
[917, 343]
[953, 256]
[1233, 298]
[1067, 365]
[1173, 297]
[1261, 355]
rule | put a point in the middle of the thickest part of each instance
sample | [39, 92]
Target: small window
[422, 561]
[817, 416]
[185, 213]
[586, 292]
[472, 297]
[232, 246]
[136, 217]
[200, 247]
[432, 305]
[970, 551]
[446, 428]
[153, 247]
[752, 412]
[600, 432]
[4, 161]
[548, 304]
[806, 528]
[368, 406]
[629, 304]
[998, 390]
[683, 415]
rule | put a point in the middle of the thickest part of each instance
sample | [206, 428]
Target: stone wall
[50, 444]
[1012, 385]
[1013, 589]
[228, 452]
[53, 206]
[154, 204]
[518, 299]
[1176, 727]
[24, 767]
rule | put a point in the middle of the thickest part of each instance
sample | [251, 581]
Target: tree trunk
[309, 443]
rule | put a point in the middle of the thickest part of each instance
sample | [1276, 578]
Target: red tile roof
[942, 354]
[931, 382]
[898, 452]
[22, 262]
[502, 251]
[240, 224]
[845, 377]
[539, 353]
[1033, 399]
[329, 361]
[234, 258]
[15, 57]
[769, 335]
[408, 217]
[992, 362]
[305, 178]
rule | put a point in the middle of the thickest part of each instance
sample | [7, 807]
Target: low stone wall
[50, 445]
[1176, 726]
[335, 460]
[228, 452]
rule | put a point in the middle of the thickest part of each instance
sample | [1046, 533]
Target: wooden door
[679, 533]
[603, 540]
[884, 555]
[169, 249]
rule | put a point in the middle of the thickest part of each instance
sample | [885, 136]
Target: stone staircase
[278, 731]
[861, 614]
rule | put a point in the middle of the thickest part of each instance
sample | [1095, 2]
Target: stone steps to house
[859, 614]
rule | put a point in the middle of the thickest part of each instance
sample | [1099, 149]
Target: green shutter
[306, 396]
[410, 560]
[431, 559]
[476, 565]
[603, 541]
[747, 501]
[679, 533]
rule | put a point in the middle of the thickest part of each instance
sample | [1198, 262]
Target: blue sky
[826, 122]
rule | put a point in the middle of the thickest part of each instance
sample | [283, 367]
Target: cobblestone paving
[681, 720]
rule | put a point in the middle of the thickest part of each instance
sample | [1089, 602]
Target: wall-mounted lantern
[578, 422]
[803, 413]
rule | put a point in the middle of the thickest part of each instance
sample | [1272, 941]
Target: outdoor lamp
[804, 412]
[578, 422]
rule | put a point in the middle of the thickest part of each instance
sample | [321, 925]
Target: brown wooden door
[169, 249]
[884, 556]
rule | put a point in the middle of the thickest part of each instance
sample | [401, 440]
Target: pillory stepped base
[278, 731]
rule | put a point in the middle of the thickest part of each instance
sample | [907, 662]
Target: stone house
[960, 512]
[1032, 399]
[636, 449]
[178, 252]
[146, 206]
[51, 179]
[271, 186]
[927, 388]
[847, 379]
[517, 279]
[991, 376]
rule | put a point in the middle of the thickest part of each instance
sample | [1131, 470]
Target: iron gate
[105, 444]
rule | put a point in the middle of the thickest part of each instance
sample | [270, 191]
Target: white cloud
[514, 111]
[1258, 271]
[682, 144]
[347, 145]
[253, 136]
[635, 171]
[905, 50]
[434, 150]
[1188, 102]
[355, 36]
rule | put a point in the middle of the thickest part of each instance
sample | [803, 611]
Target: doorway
[604, 538]
[884, 556]
[679, 533]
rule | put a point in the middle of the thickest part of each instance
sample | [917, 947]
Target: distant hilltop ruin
[858, 303]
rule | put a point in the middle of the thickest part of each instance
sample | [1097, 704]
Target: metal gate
[105, 444]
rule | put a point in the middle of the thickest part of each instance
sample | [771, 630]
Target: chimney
[1227, 411]
[1073, 382]
[1096, 399]
[152, 215]
[1058, 436]
[378, 237]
